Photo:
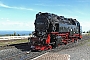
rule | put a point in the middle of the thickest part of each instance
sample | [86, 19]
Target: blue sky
[20, 14]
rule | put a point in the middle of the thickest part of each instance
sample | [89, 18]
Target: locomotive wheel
[55, 45]
[65, 43]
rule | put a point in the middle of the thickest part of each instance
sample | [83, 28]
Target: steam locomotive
[52, 30]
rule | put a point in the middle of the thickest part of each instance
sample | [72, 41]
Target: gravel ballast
[81, 52]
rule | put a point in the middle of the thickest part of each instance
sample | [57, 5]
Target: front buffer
[40, 44]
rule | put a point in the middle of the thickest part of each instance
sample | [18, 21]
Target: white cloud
[7, 19]
[2, 18]
[84, 1]
[68, 16]
[74, 17]
[85, 25]
[51, 5]
[6, 6]
[21, 8]
[16, 25]
[80, 12]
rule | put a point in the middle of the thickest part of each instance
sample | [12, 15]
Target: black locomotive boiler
[52, 30]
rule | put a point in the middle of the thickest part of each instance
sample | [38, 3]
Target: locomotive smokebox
[41, 22]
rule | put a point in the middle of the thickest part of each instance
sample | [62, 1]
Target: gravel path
[81, 52]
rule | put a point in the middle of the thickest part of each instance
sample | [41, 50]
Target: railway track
[28, 55]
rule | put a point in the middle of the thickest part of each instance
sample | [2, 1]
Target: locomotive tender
[52, 30]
